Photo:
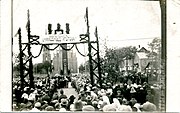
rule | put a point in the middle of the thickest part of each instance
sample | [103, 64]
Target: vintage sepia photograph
[89, 55]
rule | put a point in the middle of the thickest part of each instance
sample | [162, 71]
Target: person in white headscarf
[116, 103]
[93, 96]
[125, 107]
[36, 108]
[137, 106]
[106, 99]
[108, 108]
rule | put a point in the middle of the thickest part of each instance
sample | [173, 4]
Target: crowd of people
[47, 96]
[122, 96]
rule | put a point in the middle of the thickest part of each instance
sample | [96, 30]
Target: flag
[95, 33]
[147, 66]
[86, 15]
[28, 22]
[27, 25]
[18, 32]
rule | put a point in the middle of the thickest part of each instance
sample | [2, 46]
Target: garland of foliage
[49, 48]
[79, 51]
[66, 48]
[39, 52]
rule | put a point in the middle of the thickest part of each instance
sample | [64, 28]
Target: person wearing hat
[15, 107]
[88, 108]
[88, 92]
[106, 99]
[32, 97]
[125, 108]
[124, 101]
[22, 106]
[109, 94]
[63, 104]
[29, 105]
[53, 102]
[102, 92]
[93, 96]
[137, 106]
[62, 95]
[55, 96]
[88, 100]
[18, 93]
[77, 106]
[88, 88]
[132, 90]
[39, 82]
[95, 105]
[116, 102]
[127, 93]
[110, 107]
[49, 108]
[44, 106]
[37, 107]
[25, 96]
[148, 106]
[101, 104]
[132, 102]
[119, 94]
[57, 106]
[71, 101]
[141, 95]
[82, 96]
[46, 98]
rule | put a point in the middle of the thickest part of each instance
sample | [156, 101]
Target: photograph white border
[173, 62]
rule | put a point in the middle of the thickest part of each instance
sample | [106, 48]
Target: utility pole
[89, 49]
[31, 77]
[21, 60]
[98, 57]
[85, 61]
[163, 55]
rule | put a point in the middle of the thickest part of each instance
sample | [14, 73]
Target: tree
[16, 68]
[155, 45]
[112, 59]
[155, 55]
[16, 63]
[38, 68]
[81, 68]
[42, 68]
[114, 56]
[47, 66]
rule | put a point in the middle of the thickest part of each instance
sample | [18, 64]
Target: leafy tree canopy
[41, 67]
[81, 68]
[155, 44]
[113, 57]
[121, 53]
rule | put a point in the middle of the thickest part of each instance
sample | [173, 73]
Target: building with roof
[46, 55]
[142, 49]
[141, 60]
[126, 64]
[145, 60]
[58, 61]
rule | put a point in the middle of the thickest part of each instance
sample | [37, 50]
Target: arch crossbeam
[27, 65]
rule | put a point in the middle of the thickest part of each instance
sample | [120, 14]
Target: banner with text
[60, 38]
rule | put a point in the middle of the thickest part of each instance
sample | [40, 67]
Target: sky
[120, 23]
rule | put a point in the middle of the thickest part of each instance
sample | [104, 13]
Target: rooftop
[142, 55]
